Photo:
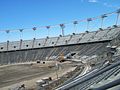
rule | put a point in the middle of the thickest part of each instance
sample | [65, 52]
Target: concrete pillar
[7, 45]
[33, 42]
[20, 44]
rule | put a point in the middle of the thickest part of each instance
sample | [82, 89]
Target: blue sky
[17, 14]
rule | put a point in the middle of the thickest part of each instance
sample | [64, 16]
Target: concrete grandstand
[39, 49]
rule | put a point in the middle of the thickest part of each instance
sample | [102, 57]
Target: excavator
[61, 58]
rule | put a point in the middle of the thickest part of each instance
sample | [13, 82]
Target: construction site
[80, 61]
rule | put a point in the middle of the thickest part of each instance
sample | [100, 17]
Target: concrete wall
[42, 53]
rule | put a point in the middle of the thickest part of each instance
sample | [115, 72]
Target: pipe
[79, 81]
[107, 86]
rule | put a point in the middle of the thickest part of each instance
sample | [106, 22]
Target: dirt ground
[14, 75]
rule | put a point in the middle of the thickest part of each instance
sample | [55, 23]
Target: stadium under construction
[80, 61]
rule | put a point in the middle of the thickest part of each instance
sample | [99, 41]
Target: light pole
[75, 23]
[48, 28]
[34, 38]
[62, 28]
[88, 22]
[8, 31]
[34, 29]
[102, 19]
[21, 33]
[118, 15]
[21, 36]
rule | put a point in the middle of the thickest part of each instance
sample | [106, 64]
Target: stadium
[78, 61]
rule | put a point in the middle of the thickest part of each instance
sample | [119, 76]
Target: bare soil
[28, 74]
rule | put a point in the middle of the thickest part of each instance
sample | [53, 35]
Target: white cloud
[110, 6]
[92, 1]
